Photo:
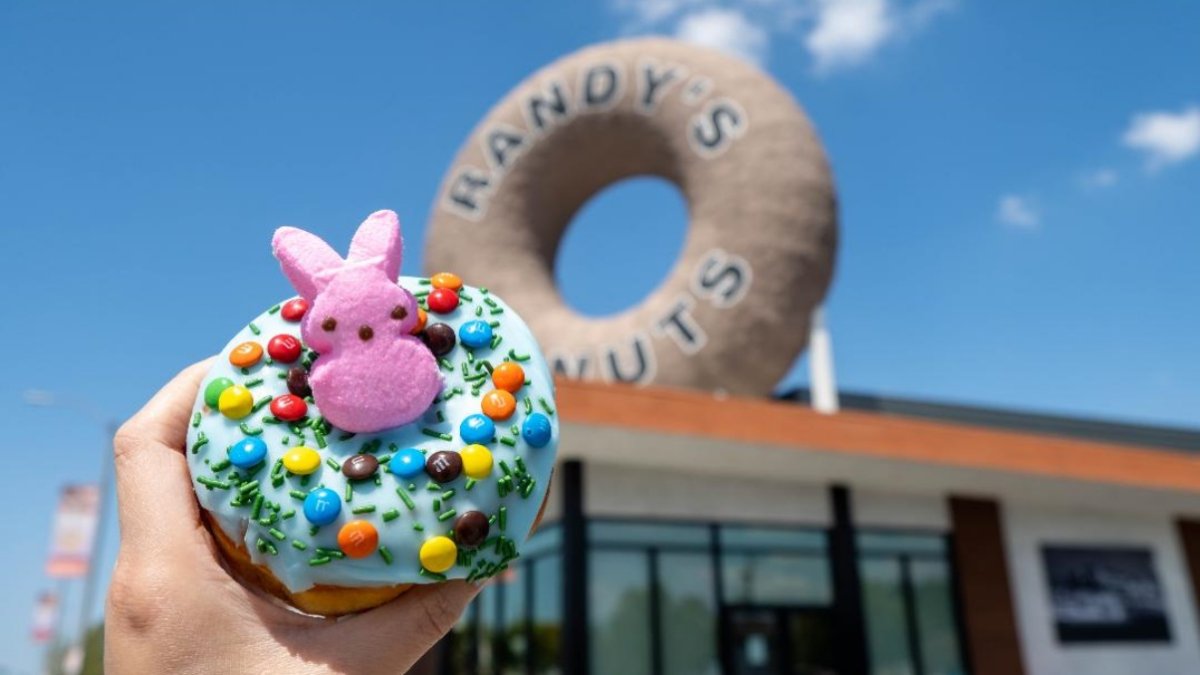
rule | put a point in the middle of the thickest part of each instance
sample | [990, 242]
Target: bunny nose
[365, 333]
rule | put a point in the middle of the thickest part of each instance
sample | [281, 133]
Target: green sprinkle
[528, 405]
[297, 494]
[496, 340]
[432, 575]
[512, 354]
[273, 309]
[258, 502]
[349, 492]
[385, 554]
[196, 420]
[286, 514]
[254, 329]
[440, 417]
[320, 438]
[331, 552]
[465, 369]
[279, 536]
[358, 510]
[470, 355]
[299, 545]
[221, 465]
[250, 384]
[446, 515]
[384, 459]
[304, 480]
[246, 429]
[270, 419]
[508, 441]
[503, 517]
[478, 310]
[258, 405]
[318, 560]
[245, 371]
[445, 365]
[408, 501]
[248, 487]
[437, 434]
[448, 494]
[332, 464]
[437, 504]
[496, 311]
[489, 302]
[418, 527]
[313, 529]
[389, 516]
[545, 406]
[494, 323]
[202, 440]
[469, 484]
[212, 483]
[282, 376]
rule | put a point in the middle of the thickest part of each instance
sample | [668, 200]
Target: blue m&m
[475, 334]
[477, 429]
[407, 463]
[536, 430]
[322, 506]
[247, 452]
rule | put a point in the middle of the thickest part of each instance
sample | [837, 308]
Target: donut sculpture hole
[734, 312]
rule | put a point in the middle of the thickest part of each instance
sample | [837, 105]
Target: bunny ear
[307, 261]
[378, 242]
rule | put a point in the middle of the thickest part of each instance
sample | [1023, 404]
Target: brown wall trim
[990, 637]
[675, 411]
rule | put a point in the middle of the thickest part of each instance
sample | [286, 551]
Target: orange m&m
[358, 539]
[446, 280]
[508, 376]
[246, 354]
[422, 318]
[498, 404]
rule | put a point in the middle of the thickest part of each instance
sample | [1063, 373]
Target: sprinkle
[503, 517]
[385, 554]
[453, 392]
[384, 459]
[440, 416]
[358, 510]
[319, 560]
[254, 329]
[497, 310]
[245, 371]
[265, 546]
[211, 483]
[279, 536]
[349, 492]
[270, 419]
[418, 527]
[432, 575]
[496, 340]
[286, 514]
[247, 488]
[470, 484]
[448, 494]
[412, 506]
[282, 376]
[304, 481]
[297, 494]
[320, 438]
[202, 440]
[196, 420]
[389, 516]
[447, 515]
[273, 309]
[332, 464]
[250, 384]
[494, 323]
[299, 545]
[249, 431]
[465, 370]
[470, 355]
[478, 310]
[424, 282]
[437, 504]
[528, 405]
[331, 552]
[221, 465]
[508, 441]
[431, 486]
[513, 355]
[545, 406]
[445, 365]
[489, 302]
[258, 502]
[258, 405]
[437, 434]
[464, 296]
[312, 530]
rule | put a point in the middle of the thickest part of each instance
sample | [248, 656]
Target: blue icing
[287, 498]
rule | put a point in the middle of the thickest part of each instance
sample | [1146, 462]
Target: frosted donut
[370, 435]
[734, 311]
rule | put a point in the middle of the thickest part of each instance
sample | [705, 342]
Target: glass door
[779, 641]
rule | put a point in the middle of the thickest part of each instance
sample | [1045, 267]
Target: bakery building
[700, 524]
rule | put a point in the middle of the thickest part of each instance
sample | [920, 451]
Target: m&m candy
[359, 467]
[476, 429]
[439, 338]
[284, 348]
[536, 430]
[212, 393]
[246, 354]
[477, 461]
[247, 452]
[322, 506]
[508, 376]
[235, 402]
[498, 404]
[438, 554]
[289, 407]
[471, 529]
[422, 318]
[442, 300]
[358, 539]
[446, 280]
[444, 466]
[294, 309]
[475, 334]
[407, 463]
[302, 460]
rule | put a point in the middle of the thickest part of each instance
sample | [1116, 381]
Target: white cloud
[1097, 179]
[727, 30]
[1165, 137]
[837, 34]
[1017, 211]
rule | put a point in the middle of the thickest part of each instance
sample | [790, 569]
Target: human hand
[173, 608]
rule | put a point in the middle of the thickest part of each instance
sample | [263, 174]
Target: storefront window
[935, 617]
[619, 605]
[883, 603]
[688, 607]
[509, 650]
[546, 577]
[776, 578]
[648, 534]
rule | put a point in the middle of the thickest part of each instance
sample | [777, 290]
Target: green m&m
[212, 393]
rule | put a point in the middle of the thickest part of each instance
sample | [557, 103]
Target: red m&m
[442, 300]
[289, 407]
[284, 348]
[294, 309]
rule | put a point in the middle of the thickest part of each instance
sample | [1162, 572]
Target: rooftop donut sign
[762, 234]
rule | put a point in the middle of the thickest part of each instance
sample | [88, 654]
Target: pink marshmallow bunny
[372, 373]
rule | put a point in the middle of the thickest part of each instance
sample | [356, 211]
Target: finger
[154, 494]
[423, 615]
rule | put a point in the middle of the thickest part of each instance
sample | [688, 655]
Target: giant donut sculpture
[734, 312]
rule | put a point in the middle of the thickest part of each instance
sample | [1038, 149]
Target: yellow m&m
[302, 460]
[477, 461]
[438, 554]
[235, 402]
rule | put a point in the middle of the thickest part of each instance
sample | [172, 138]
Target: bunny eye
[399, 312]
[328, 325]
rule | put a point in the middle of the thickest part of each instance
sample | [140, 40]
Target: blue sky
[1019, 182]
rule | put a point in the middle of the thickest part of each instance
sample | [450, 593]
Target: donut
[734, 311]
[369, 434]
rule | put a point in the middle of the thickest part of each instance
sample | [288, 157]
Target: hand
[173, 608]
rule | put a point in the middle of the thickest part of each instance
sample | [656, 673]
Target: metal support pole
[822, 381]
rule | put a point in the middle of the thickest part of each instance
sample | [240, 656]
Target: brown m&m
[297, 382]
[359, 467]
[471, 529]
[444, 466]
[439, 338]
